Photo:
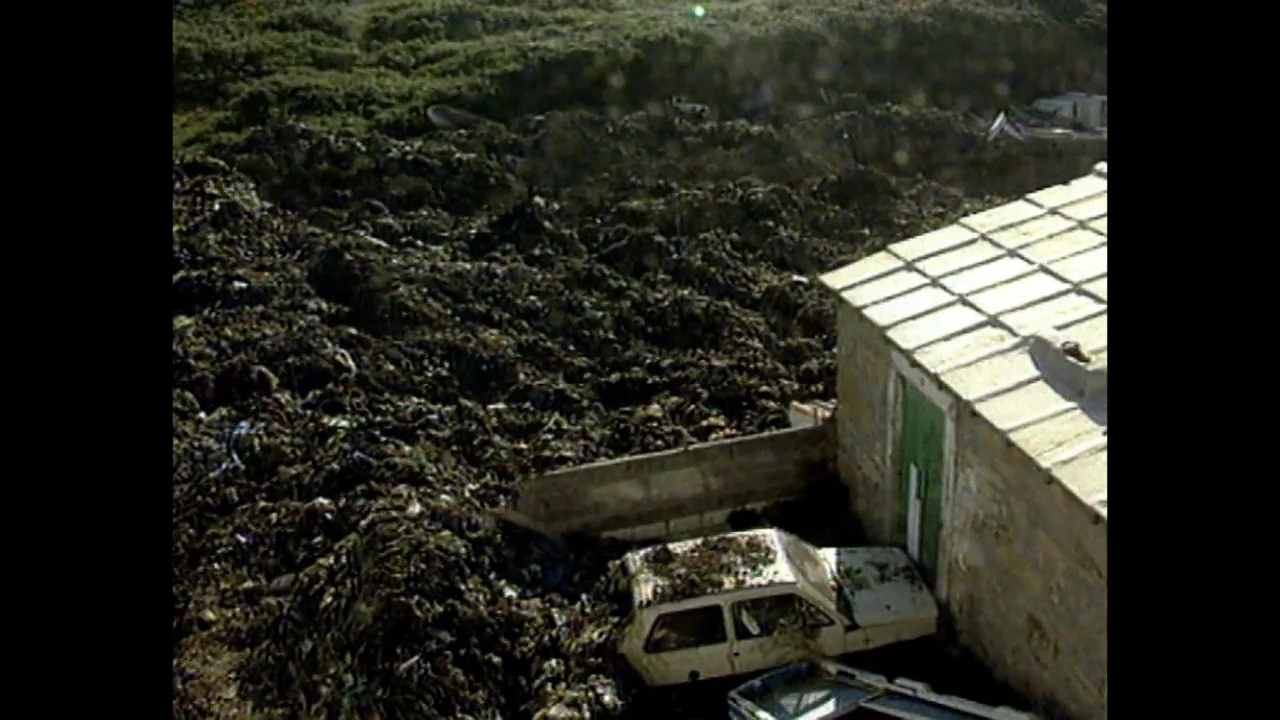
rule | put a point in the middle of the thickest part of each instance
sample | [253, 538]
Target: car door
[779, 629]
[688, 645]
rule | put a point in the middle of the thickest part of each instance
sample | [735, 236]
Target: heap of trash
[375, 339]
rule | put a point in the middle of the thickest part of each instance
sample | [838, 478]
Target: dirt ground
[374, 339]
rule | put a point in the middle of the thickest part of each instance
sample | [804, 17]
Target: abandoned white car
[748, 601]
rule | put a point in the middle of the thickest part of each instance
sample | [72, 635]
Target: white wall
[862, 424]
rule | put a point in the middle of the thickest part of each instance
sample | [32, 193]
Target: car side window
[765, 616]
[687, 629]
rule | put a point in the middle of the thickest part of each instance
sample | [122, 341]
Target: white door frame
[915, 511]
[905, 371]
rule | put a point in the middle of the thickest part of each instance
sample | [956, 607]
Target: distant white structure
[1084, 108]
[811, 413]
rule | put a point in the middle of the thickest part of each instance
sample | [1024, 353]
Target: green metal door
[924, 427]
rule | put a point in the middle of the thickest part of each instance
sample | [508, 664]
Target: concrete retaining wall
[672, 492]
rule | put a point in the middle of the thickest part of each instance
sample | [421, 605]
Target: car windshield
[809, 565]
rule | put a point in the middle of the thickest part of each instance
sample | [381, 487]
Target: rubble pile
[374, 339]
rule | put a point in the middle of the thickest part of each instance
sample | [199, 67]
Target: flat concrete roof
[985, 306]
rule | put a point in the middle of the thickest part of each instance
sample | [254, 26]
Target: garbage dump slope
[376, 337]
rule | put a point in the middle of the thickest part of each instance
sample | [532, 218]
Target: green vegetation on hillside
[377, 65]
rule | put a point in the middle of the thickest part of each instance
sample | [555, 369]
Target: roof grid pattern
[976, 303]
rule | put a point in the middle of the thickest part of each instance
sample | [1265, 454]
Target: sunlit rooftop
[1008, 308]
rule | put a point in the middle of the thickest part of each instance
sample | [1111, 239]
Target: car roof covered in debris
[708, 566]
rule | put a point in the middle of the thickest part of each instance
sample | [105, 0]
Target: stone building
[972, 424]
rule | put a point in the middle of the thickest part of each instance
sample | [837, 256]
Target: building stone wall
[862, 422]
[1025, 561]
[1026, 574]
